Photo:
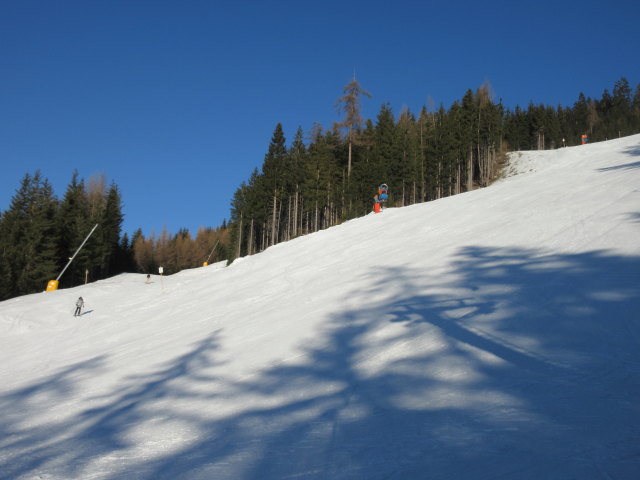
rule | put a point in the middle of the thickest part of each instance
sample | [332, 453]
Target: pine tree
[28, 238]
[74, 224]
[274, 172]
[408, 158]
[636, 110]
[297, 167]
[622, 109]
[385, 149]
[125, 261]
[110, 221]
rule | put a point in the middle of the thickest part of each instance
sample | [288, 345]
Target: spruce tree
[274, 172]
[385, 151]
[74, 224]
[297, 159]
[636, 110]
[622, 108]
[110, 222]
[28, 238]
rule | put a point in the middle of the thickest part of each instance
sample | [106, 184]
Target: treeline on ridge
[39, 233]
[316, 181]
[302, 188]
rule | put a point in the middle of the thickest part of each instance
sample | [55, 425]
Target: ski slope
[493, 334]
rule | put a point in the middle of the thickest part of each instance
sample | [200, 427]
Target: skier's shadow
[86, 313]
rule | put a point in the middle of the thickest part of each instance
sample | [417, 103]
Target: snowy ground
[494, 334]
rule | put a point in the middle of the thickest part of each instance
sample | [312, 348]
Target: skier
[148, 278]
[79, 305]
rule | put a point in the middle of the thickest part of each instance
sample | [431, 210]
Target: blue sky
[176, 101]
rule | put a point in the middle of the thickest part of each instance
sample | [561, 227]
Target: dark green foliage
[39, 234]
[304, 187]
[28, 239]
[74, 224]
[111, 252]
[542, 127]
[309, 187]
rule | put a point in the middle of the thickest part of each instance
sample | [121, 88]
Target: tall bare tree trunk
[239, 237]
[315, 229]
[273, 217]
[349, 163]
[470, 170]
[278, 223]
[287, 232]
[295, 214]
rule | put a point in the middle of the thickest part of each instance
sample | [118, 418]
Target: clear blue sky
[176, 101]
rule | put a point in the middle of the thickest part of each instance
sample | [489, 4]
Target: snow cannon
[52, 285]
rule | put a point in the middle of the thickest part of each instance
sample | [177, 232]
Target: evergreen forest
[304, 187]
[317, 180]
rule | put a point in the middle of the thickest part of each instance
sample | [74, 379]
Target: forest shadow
[626, 166]
[633, 150]
[25, 449]
[516, 364]
[69, 445]
[524, 366]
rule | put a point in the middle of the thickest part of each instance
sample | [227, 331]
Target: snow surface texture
[494, 334]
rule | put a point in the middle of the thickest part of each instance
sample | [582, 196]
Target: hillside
[493, 334]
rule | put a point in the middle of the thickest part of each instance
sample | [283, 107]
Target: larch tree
[349, 104]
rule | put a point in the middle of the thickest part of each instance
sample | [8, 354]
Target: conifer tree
[74, 223]
[297, 167]
[636, 110]
[385, 150]
[125, 262]
[28, 238]
[622, 108]
[110, 229]
[273, 170]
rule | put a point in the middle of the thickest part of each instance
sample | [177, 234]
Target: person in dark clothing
[79, 305]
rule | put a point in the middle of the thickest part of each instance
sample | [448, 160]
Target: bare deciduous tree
[349, 103]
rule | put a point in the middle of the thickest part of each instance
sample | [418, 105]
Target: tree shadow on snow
[626, 166]
[67, 446]
[522, 365]
[516, 364]
[23, 448]
[633, 150]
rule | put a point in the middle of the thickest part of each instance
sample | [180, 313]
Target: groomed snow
[493, 334]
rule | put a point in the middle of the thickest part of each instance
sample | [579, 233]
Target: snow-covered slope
[494, 334]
